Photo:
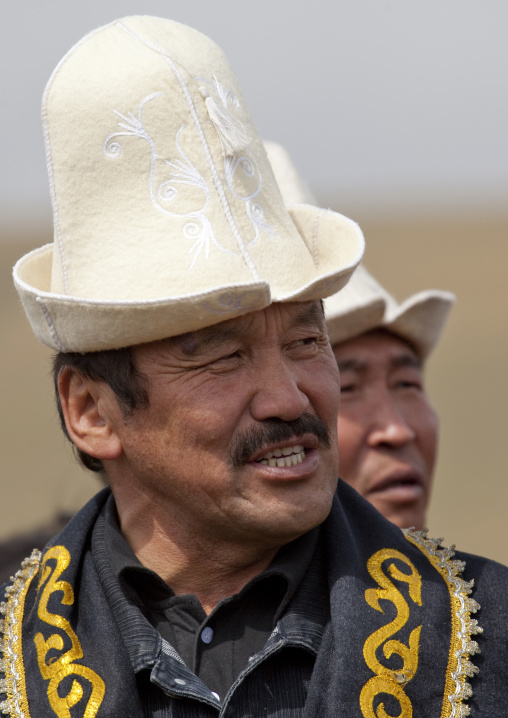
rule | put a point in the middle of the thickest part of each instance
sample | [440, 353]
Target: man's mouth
[404, 486]
[284, 456]
[248, 445]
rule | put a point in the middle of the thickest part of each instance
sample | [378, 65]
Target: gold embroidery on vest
[459, 668]
[14, 684]
[56, 669]
[386, 680]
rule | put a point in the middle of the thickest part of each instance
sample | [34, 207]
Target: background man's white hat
[167, 216]
[364, 304]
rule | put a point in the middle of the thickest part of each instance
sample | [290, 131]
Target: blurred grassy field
[466, 379]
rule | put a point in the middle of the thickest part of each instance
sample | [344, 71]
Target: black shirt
[222, 648]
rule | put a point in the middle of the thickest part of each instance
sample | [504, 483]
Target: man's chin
[289, 525]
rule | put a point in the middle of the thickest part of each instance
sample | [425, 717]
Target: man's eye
[223, 361]
[233, 355]
[410, 384]
[306, 341]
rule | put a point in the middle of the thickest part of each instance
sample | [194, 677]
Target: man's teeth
[287, 456]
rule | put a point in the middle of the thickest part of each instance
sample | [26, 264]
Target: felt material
[364, 304]
[156, 200]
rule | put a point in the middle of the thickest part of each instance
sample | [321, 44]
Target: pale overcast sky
[382, 103]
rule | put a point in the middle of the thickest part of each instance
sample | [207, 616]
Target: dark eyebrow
[409, 360]
[209, 337]
[310, 315]
[351, 365]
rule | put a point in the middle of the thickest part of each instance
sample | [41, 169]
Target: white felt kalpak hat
[364, 304]
[167, 216]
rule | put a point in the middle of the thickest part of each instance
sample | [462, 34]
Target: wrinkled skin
[186, 471]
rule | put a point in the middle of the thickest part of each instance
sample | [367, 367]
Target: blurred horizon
[395, 114]
[386, 108]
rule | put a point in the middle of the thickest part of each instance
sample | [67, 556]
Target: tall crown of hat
[364, 304]
[166, 212]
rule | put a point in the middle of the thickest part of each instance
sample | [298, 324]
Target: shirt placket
[177, 681]
[276, 643]
[173, 677]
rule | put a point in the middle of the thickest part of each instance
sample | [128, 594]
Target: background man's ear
[91, 411]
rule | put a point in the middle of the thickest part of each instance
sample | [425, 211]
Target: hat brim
[79, 324]
[421, 319]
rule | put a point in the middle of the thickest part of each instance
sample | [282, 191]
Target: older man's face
[239, 440]
[387, 429]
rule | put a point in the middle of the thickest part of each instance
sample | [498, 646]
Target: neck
[186, 561]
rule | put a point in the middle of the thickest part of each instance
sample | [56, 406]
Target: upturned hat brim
[421, 319]
[365, 305]
[73, 323]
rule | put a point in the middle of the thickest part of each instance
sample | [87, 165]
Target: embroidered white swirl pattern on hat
[183, 172]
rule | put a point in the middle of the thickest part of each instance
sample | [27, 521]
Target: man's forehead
[292, 313]
[379, 343]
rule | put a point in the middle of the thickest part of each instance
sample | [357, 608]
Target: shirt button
[216, 695]
[207, 634]
[180, 682]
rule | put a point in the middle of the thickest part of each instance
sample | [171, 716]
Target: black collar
[147, 588]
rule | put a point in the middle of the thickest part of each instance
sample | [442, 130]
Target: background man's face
[222, 400]
[387, 429]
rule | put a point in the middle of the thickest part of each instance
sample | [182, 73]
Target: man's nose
[388, 425]
[278, 394]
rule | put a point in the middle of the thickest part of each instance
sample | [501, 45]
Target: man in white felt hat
[387, 428]
[193, 370]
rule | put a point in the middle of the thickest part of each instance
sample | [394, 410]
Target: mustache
[273, 431]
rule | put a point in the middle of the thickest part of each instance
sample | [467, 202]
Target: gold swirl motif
[386, 680]
[56, 669]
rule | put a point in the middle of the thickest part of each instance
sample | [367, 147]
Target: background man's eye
[410, 385]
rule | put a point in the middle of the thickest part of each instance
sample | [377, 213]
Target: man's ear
[91, 413]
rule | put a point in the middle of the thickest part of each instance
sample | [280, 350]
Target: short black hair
[114, 367]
